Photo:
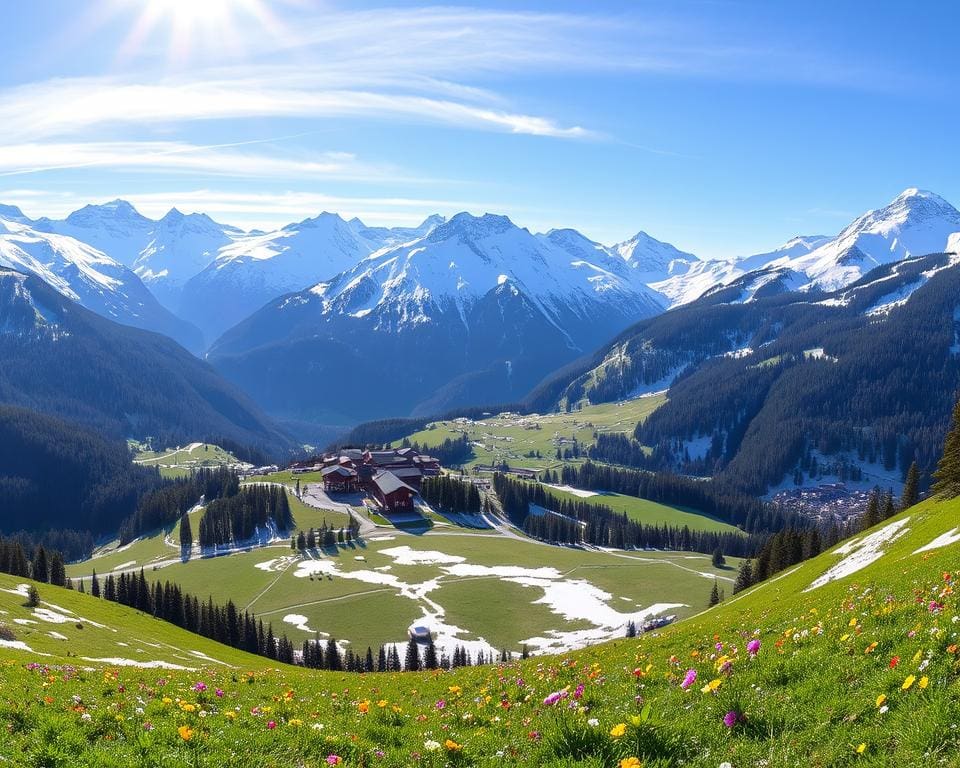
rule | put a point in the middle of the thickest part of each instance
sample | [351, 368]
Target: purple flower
[200, 687]
[219, 694]
[441, 704]
[578, 691]
[753, 647]
[731, 718]
[689, 679]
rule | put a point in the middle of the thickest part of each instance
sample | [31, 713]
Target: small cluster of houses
[391, 476]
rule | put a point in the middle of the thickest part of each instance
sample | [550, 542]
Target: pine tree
[714, 594]
[186, 536]
[40, 570]
[744, 577]
[947, 476]
[872, 515]
[411, 662]
[430, 656]
[33, 596]
[911, 488]
[718, 559]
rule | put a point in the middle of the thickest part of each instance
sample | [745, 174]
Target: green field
[368, 595]
[513, 438]
[651, 512]
[846, 668]
[182, 460]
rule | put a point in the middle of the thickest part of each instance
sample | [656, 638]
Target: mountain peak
[472, 227]
[11, 212]
[115, 210]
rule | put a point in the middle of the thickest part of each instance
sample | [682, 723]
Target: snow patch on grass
[861, 552]
[575, 491]
[298, 620]
[945, 540]
[406, 556]
[121, 662]
[21, 589]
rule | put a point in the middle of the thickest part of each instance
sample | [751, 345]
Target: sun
[194, 28]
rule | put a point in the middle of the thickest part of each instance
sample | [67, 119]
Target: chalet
[340, 479]
[428, 465]
[410, 475]
[391, 492]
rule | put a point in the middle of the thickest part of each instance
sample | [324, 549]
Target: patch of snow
[21, 589]
[120, 662]
[575, 491]
[24, 622]
[125, 565]
[861, 552]
[57, 636]
[45, 614]
[406, 556]
[298, 620]
[18, 645]
[944, 540]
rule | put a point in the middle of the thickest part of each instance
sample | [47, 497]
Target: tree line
[448, 493]
[241, 516]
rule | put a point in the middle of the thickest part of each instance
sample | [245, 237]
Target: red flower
[894, 661]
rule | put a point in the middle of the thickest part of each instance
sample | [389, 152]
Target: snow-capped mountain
[386, 237]
[248, 273]
[89, 277]
[165, 254]
[654, 260]
[477, 310]
[916, 223]
[682, 287]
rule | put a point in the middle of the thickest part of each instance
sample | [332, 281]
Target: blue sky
[722, 127]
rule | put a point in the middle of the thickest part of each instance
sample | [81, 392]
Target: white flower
[883, 709]
[593, 722]
[726, 765]
[317, 726]
[431, 746]
[138, 711]
[86, 717]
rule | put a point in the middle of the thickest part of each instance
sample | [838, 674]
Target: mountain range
[291, 314]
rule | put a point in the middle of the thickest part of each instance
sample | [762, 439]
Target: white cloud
[180, 157]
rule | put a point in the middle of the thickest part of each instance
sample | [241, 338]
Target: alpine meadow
[479, 384]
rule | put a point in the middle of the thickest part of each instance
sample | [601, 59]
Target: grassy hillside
[861, 670]
[181, 461]
[512, 438]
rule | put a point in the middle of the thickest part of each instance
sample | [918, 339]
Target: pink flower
[271, 725]
[441, 704]
[219, 693]
[334, 759]
[689, 679]
[731, 719]
[200, 687]
[753, 647]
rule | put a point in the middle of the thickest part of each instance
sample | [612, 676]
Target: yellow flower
[295, 723]
[907, 683]
[630, 762]
[861, 748]
[167, 700]
[364, 707]
[186, 732]
[452, 746]
[853, 622]
[455, 689]
[916, 656]
[382, 703]
[712, 686]
[881, 699]
[230, 715]
[618, 730]
[188, 707]
[924, 681]
[844, 638]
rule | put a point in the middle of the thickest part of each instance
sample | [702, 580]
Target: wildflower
[441, 704]
[452, 746]
[382, 703]
[455, 690]
[894, 661]
[753, 647]
[334, 759]
[618, 730]
[712, 686]
[200, 687]
[295, 723]
[924, 681]
[881, 699]
[186, 732]
[731, 718]
[431, 746]
[861, 748]
[271, 725]
[219, 693]
[630, 762]
[689, 679]
[578, 691]
[363, 707]
[908, 683]
[593, 722]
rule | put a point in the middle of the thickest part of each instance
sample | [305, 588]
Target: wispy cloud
[167, 157]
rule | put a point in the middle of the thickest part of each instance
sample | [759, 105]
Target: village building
[391, 492]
